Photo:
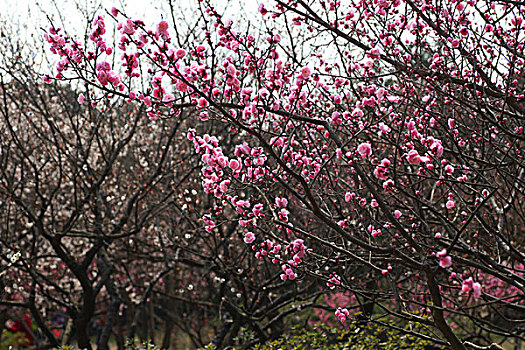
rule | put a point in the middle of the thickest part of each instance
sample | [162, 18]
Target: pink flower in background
[388, 185]
[476, 288]
[413, 157]
[262, 9]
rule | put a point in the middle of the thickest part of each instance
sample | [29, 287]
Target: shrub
[357, 337]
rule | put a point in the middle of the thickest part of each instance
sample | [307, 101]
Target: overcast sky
[31, 14]
[25, 18]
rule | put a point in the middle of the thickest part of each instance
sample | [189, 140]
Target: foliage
[130, 345]
[145, 345]
[354, 337]
[12, 340]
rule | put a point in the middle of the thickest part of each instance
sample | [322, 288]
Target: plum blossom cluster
[267, 248]
[342, 314]
[97, 36]
[297, 249]
[248, 165]
[217, 168]
[333, 280]
[107, 76]
[498, 288]
[469, 285]
[214, 164]
[71, 52]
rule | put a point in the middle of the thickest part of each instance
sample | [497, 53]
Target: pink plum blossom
[202, 103]
[445, 261]
[235, 164]
[305, 72]
[162, 27]
[168, 98]
[281, 202]
[180, 53]
[249, 237]
[364, 149]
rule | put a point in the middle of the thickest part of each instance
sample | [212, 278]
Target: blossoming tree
[376, 146]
